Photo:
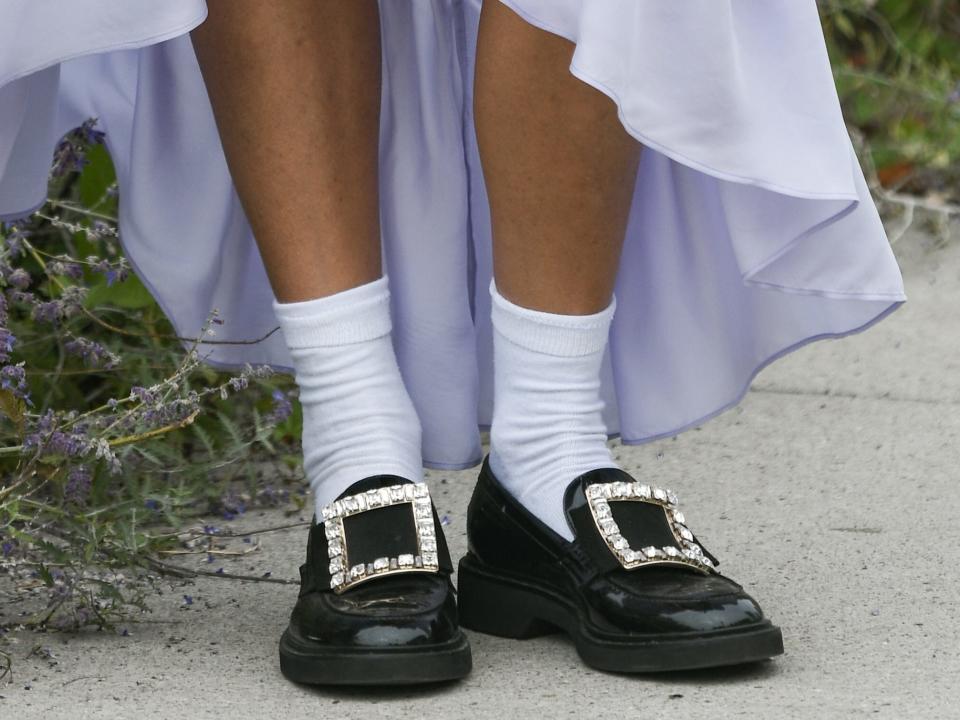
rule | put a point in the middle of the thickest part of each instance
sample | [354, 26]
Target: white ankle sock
[547, 424]
[358, 419]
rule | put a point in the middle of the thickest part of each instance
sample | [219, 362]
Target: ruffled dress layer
[751, 233]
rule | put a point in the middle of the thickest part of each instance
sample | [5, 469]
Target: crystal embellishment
[417, 496]
[686, 552]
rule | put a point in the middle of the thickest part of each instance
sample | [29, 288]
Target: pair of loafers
[635, 590]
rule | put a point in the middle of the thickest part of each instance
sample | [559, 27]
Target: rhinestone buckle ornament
[599, 497]
[343, 575]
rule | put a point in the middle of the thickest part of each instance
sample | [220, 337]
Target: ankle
[358, 419]
[547, 425]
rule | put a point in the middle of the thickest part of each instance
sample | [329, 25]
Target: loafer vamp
[668, 600]
[386, 612]
[389, 598]
[389, 611]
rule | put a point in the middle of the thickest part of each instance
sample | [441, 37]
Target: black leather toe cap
[398, 611]
[669, 600]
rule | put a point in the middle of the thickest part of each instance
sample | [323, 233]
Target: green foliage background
[897, 67]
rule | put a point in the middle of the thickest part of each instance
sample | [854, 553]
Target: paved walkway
[830, 493]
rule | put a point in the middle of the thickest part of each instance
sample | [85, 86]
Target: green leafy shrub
[897, 67]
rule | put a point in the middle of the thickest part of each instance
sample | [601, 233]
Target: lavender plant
[113, 431]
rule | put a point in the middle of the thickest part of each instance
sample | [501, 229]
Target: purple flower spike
[281, 407]
[78, 484]
[19, 278]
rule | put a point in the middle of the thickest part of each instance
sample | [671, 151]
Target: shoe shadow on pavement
[367, 693]
[732, 674]
[761, 670]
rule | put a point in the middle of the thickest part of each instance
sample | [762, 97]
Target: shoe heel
[494, 606]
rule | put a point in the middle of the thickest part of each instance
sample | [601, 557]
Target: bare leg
[295, 88]
[559, 169]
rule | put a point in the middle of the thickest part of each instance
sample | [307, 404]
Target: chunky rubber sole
[304, 661]
[495, 604]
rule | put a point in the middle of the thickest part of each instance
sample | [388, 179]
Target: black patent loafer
[376, 604]
[635, 589]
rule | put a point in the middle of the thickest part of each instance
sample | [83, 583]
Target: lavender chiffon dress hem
[752, 231]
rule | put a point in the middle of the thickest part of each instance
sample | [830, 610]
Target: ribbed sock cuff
[350, 316]
[549, 333]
